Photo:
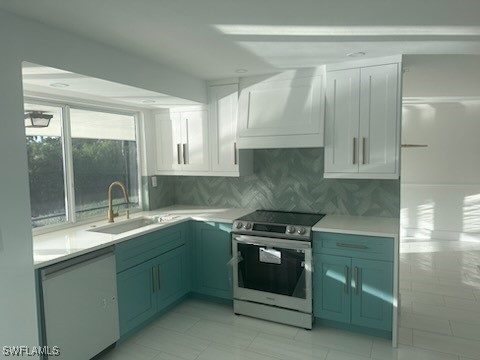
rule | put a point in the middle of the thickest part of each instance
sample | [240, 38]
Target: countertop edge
[355, 225]
[186, 213]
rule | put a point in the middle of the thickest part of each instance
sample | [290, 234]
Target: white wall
[441, 75]
[440, 184]
[24, 40]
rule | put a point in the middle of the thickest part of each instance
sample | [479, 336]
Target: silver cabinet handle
[355, 279]
[345, 273]
[235, 159]
[352, 246]
[179, 155]
[154, 279]
[185, 153]
[363, 151]
[159, 278]
[354, 149]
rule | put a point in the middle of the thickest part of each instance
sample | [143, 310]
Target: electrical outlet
[154, 181]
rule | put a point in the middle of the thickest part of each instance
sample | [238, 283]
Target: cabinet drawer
[148, 246]
[359, 246]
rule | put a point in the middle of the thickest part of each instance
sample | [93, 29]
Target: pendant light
[37, 119]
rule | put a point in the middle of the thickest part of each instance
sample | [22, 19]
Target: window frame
[68, 175]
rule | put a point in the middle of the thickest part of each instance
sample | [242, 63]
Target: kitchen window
[73, 160]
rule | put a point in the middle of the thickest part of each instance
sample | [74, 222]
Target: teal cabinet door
[331, 288]
[372, 291]
[212, 253]
[152, 273]
[136, 299]
[171, 276]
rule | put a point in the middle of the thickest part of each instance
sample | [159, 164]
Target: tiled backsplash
[283, 179]
[160, 196]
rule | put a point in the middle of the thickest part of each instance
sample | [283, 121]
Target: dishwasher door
[80, 311]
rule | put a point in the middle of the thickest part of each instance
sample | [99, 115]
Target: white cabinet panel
[223, 112]
[283, 111]
[182, 142]
[168, 141]
[225, 156]
[363, 120]
[341, 121]
[194, 126]
[378, 119]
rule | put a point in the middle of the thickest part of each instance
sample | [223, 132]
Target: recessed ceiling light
[356, 54]
[148, 101]
[59, 85]
[241, 71]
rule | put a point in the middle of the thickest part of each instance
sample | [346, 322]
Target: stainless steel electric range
[272, 272]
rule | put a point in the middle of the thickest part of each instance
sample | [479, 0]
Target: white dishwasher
[80, 310]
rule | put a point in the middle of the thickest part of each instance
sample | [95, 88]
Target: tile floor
[440, 320]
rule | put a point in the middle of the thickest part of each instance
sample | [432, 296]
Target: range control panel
[276, 230]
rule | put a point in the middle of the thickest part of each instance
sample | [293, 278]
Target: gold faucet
[111, 214]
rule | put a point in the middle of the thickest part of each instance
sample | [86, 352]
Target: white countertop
[359, 225]
[64, 244]
[60, 245]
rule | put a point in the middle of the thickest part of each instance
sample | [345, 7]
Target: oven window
[272, 270]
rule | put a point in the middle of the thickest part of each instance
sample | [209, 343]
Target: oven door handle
[273, 242]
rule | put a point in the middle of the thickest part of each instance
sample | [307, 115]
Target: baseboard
[354, 328]
[210, 298]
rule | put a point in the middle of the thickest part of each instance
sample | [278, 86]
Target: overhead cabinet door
[341, 135]
[195, 140]
[168, 134]
[223, 110]
[182, 141]
[362, 122]
[378, 115]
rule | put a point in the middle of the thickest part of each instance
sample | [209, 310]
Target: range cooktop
[280, 224]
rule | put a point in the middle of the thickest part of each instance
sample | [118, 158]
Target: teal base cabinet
[331, 294]
[154, 273]
[372, 295]
[353, 280]
[211, 254]
[136, 300]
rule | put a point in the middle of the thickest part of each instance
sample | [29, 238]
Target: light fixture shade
[37, 119]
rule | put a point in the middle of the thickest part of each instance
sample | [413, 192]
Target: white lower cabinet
[182, 141]
[79, 306]
[362, 122]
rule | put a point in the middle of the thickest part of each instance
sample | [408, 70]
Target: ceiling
[212, 39]
[41, 80]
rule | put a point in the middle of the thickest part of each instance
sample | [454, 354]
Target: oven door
[273, 271]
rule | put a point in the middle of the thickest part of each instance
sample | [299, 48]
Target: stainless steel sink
[132, 224]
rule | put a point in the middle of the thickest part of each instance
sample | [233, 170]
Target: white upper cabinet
[379, 104]
[282, 111]
[362, 123]
[226, 159]
[168, 141]
[341, 125]
[182, 141]
[195, 140]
